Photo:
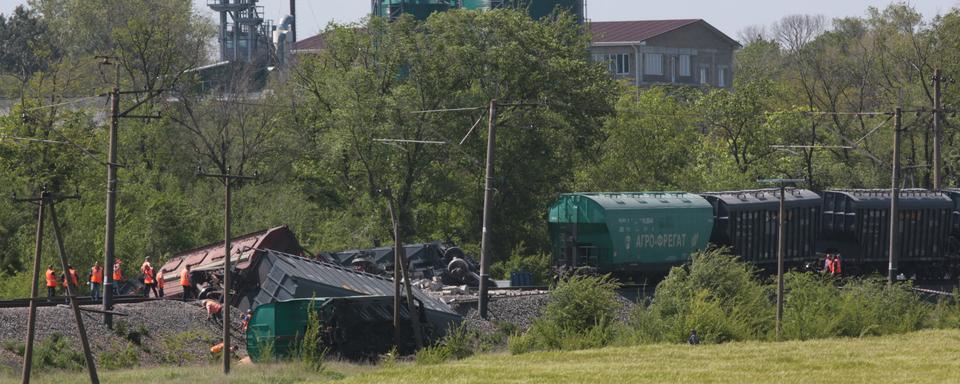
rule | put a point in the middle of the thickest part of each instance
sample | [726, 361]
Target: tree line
[315, 132]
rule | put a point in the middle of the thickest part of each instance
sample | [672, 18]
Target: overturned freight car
[269, 266]
[206, 262]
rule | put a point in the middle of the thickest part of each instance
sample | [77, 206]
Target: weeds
[54, 352]
[119, 358]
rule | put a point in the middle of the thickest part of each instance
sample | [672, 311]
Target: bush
[946, 313]
[55, 352]
[810, 308]
[716, 294]
[459, 343]
[579, 315]
[538, 264]
[119, 358]
[872, 307]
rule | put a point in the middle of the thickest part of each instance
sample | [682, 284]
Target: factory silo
[419, 9]
[535, 8]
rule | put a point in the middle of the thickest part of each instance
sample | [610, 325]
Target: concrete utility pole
[780, 240]
[937, 156]
[781, 243]
[32, 314]
[111, 209]
[227, 180]
[487, 205]
[894, 198]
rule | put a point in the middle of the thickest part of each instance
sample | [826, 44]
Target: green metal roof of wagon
[629, 201]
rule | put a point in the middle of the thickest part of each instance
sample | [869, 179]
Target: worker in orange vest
[117, 276]
[96, 281]
[71, 278]
[160, 282]
[185, 283]
[836, 264]
[149, 282]
[213, 309]
[51, 281]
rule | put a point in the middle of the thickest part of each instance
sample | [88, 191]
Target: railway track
[82, 300]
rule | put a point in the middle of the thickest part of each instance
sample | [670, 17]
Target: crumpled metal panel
[293, 277]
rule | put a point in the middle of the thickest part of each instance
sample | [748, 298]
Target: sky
[730, 16]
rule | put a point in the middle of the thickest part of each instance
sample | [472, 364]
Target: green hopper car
[628, 231]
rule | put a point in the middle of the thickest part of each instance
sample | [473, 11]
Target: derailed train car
[270, 266]
[854, 223]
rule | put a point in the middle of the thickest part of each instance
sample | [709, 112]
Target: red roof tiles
[640, 30]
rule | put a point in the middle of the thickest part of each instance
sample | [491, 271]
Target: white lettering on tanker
[663, 240]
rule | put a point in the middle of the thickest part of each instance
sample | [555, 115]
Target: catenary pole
[487, 205]
[227, 179]
[937, 144]
[894, 198]
[111, 209]
[781, 237]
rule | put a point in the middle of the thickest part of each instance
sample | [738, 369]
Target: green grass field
[921, 357]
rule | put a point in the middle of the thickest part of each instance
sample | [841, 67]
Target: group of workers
[152, 280]
[831, 264]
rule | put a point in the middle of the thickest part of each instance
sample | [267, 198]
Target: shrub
[119, 358]
[579, 315]
[458, 343]
[810, 306]
[946, 313]
[872, 307]
[538, 264]
[55, 352]
[716, 294]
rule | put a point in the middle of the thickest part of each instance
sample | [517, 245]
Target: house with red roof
[649, 52]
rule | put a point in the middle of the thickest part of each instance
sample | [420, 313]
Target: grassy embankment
[921, 357]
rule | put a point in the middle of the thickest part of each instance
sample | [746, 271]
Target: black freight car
[746, 221]
[856, 222]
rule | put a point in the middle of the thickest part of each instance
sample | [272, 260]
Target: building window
[722, 77]
[703, 76]
[618, 63]
[623, 63]
[685, 65]
[653, 64]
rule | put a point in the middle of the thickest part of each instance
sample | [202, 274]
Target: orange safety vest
[213, 307]
[160, 280]
[51, 278]
[96, 275]
[148, 275]
[72, 276]
[184, 278]
[836, 266]
[117, 273]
